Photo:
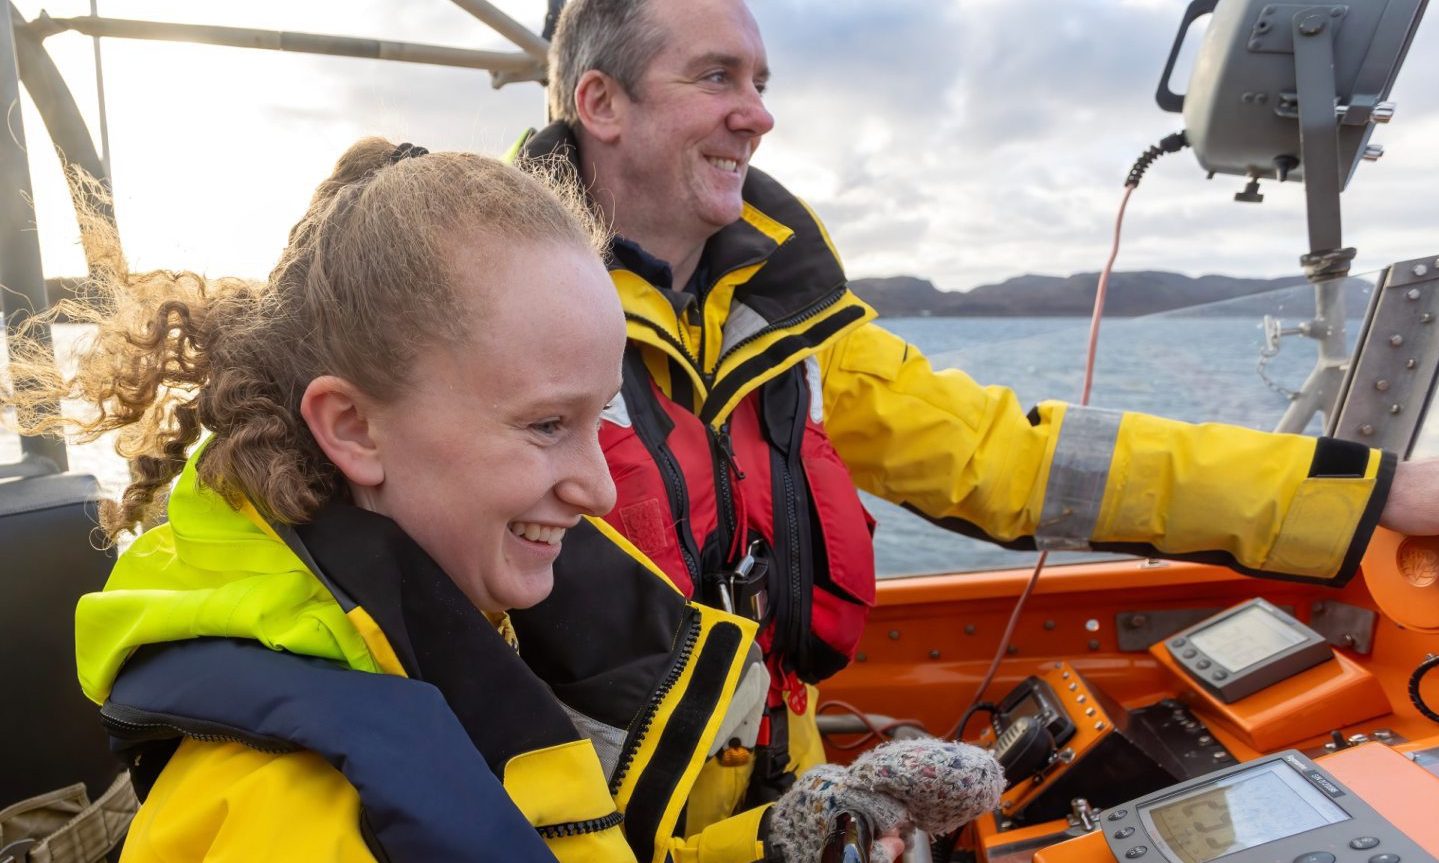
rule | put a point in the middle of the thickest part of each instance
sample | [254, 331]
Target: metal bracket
[1136, 630]
[1271, 33]
[1396, 363]
[1343, 625]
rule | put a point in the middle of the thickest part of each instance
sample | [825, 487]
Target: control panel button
[1363, 843]
[1177, 642]
[1190, 653]
[1384, 858]
[1315, 857]
[1124, 833]
[1203, 663]
[1219, 674]
[1118, 814]
[1139, 851]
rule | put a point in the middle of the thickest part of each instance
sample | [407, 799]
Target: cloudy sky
[964, 142]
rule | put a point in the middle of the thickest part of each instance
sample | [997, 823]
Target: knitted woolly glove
[935, 785]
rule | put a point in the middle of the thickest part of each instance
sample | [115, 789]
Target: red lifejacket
[685, 489]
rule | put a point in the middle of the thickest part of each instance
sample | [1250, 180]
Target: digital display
[1245, 638]
[1028, 707]
[1238, 812]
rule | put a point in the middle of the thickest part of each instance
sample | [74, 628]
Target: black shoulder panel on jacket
[800, 272]
[603, 638]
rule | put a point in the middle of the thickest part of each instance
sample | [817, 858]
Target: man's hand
[1413, 504]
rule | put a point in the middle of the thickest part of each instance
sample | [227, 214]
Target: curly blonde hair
[363, 286]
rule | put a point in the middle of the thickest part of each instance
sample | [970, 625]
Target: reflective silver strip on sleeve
[1077, 477]
[816, 388]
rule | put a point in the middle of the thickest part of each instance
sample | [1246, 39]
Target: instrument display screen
[1246, 638]
[1240, 811]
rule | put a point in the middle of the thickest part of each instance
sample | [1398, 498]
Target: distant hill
[1130, 294]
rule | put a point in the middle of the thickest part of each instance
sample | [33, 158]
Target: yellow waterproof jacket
[229, 657]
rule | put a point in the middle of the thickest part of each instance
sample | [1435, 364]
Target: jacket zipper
[135, 729]
[724, 462]
[674, 478]
[577, 828]
[795, 627]
[687, 641]
[797, 318]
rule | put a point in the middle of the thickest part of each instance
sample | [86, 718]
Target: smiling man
[759, 393]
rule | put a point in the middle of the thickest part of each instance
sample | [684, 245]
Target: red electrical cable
[1099, 295]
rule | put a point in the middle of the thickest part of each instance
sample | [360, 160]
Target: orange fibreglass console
[1403, 793]
[1311, 703]
[1092, 723]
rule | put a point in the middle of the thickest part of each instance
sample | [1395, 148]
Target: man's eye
[549, 428]
[717, 77]
[761, 86]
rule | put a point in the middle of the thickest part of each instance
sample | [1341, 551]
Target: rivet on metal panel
[861, 657]
[894, 635]
[1093, 644]
[1092, 625]
[1396, 409]
[969, 629]
[1366, 429]
[1049, 624]
[1381, 385]
[1312, 25]
[1427, 317]
[1013, 649]
[1419, 270]
[1411, 363]
[1137, 621]
[934, 654]
[1396, 340]
[1099, 726]
[1412, 294]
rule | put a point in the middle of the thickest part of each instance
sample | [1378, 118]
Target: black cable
[1171, 144]
[1430, 663]
[988, 706]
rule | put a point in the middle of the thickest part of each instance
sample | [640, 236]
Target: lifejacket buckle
[748, 585]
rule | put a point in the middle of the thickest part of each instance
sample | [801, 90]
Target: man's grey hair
[616, 37]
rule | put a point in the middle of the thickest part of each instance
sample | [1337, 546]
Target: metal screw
[1411, 363]
[1383, 734]
[1311, 26]
[1049, 624]
[1138, 621]
[1089, 711]
[1093, 644]
[1412, 293]
[894, 635]
[1396, 340]
[1013, 649]
[1099, 726]
[1419, 270]
[1372, 153]
[1427, 318]
[1366, 429]
[1381, 385]
[934, 654]
[861, 657]
[969, 629]
[1395, 409]
[1220, 756]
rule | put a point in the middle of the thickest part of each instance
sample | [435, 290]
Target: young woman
[372, 457]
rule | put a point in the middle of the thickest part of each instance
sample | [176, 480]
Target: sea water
[1196, 365]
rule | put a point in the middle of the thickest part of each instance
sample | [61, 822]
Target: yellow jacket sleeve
[222, 802]
[1066, 477]
[733, 840]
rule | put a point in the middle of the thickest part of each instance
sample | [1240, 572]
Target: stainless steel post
[22, 279]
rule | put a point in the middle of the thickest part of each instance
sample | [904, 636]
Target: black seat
[50, 735]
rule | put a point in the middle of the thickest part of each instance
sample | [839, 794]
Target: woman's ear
[338, 416]
[600, 102]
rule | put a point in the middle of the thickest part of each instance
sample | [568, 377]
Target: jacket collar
[777, 289]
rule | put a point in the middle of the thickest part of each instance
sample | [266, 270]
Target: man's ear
[338, 416]
[600, 102]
